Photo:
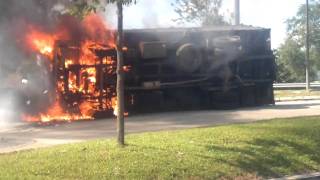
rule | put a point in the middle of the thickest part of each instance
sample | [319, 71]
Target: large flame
[57, 113]
[40, 41]
[92, 32]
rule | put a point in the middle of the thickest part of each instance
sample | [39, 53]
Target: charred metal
[169, 69]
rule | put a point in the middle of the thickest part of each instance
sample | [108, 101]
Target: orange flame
[40, 42]
[93, 33]
[57, 113]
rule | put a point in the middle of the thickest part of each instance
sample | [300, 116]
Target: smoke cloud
[144, 14]
[14, 17]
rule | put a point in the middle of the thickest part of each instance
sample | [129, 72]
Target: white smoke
[9, 59]
[144, 14]
[13, 58]
[8, 111]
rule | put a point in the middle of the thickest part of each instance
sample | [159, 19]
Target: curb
[299, 98]
[305, 176]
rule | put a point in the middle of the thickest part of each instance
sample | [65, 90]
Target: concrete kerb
[297, 98]
[304, 176]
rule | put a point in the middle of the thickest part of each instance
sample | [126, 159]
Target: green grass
[265, 149]
[295, 93]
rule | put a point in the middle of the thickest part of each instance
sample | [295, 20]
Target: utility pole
[236, 12]
[307, 48]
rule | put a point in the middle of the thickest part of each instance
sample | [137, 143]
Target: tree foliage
[290, 61]
[296, 26]
[124, 2]
[206, 12]
[291, 54]
[81, 8]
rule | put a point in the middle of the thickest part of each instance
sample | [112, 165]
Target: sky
[262, 13]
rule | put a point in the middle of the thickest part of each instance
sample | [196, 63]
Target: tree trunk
[120, 80]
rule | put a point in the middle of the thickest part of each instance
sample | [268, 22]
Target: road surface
[25, 136]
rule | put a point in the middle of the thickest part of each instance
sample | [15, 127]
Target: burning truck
[165, 69]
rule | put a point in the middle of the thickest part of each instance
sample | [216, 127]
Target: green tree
[206, 12]
[291, 54]
[120, 71]
[82, 8]
[290, 62]
[296, 26]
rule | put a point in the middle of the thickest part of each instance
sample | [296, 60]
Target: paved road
[25, 136]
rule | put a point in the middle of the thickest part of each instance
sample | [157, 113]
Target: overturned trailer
[168, 69]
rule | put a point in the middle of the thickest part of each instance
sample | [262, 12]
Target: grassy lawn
[265, 149]
[295, 93]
